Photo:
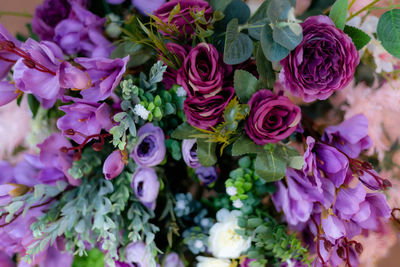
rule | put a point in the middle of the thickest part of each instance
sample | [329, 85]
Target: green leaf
[285, 36]
[206, 153]
[291, 155]
[238, 46]
[360, 38]
[338, 13]
[245, 145]
[260, 13]
[265, 70]
[245, 85]
[237, 9]
[184, 131]
[33, 104]
[279, 10]
[270, 167]
[219, 4]
[388, 31]
[272, 50]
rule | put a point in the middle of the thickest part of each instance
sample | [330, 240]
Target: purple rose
[8, 92]
[105, 74]
[272, 117]
[189, 153]
[202, 72]
[182, 22]
[350, 137]
[322, 63]
[145, 184]
[85, 119]
[82, 32]
[205, 112]
[150, 148]
[113, 165]
[207, 175]
[170, 75]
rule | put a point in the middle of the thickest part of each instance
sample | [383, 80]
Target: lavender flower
[350, 136]
[189, 152]
[113, 165]
[145, 184]
[150, 148]
[207, 175]
[105, 74]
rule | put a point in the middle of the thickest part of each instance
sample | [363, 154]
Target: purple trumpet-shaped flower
[8, 92]
[82, 32]
[189, 153]
[105, 74]
[138, 254]
[113, 165]
[172, 260]
[7, 59]
[150, 148]
[84, 119]
[350, 136]
[145, 184]
[207, 175]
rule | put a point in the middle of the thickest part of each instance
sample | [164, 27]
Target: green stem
[384, 7]
[363, 9]
[16, 14]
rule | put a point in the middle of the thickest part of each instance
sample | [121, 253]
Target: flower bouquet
[193, 133]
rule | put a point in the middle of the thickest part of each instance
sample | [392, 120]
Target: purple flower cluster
[202, 76]
[322, 63]
[75, 29]
[324, 200]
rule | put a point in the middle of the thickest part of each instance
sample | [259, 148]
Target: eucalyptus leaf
[237, 9]
[245, 85]
[278, 10]
[260, 13]
[360, 38]
[388, 31]
[338, 13]
[238, 46]
[272, 50]
[286, 37]
[206, 153]
[245, 145]
[270, 166]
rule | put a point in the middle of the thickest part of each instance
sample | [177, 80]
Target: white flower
[238, 203]
[141, 111]
[224, 242]
[181, 92]
[231, 190]
[212, 262]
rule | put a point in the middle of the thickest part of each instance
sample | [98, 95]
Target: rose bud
[113, 165]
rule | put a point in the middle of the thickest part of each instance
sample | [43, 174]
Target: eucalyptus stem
[370, 5]
[16, 14]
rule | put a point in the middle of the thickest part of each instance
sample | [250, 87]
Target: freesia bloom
[150, 149]
[223, 241]
[145, 184]
[105, 74]
[113, 165]
[182, 22]
[272, 117]
[189, 153]
[212, 262]
[322, 63]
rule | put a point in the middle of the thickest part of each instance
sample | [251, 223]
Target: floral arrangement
[215, 133]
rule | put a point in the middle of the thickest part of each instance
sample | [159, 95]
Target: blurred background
[381, 250]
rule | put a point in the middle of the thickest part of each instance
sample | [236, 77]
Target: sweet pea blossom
[223, 241]
[189, 153]
[145, 184]
[113, 165]
[150, 149]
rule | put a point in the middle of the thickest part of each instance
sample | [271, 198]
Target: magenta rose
[170, 75]
[272, 117]
[182, 23]
[322, 63]
[205, 112]
[203, 71]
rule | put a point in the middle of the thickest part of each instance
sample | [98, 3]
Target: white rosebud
[141, 111]
[223, 241]
[231, 191]
[212, 262]
[238, 203]
[181, 92]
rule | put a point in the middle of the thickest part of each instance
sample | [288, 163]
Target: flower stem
[370, 5]
[15, 14]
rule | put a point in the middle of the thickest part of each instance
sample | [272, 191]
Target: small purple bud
[189, 153]
[172, 260]
[145, 184]
[113, 165]
[207, 175]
